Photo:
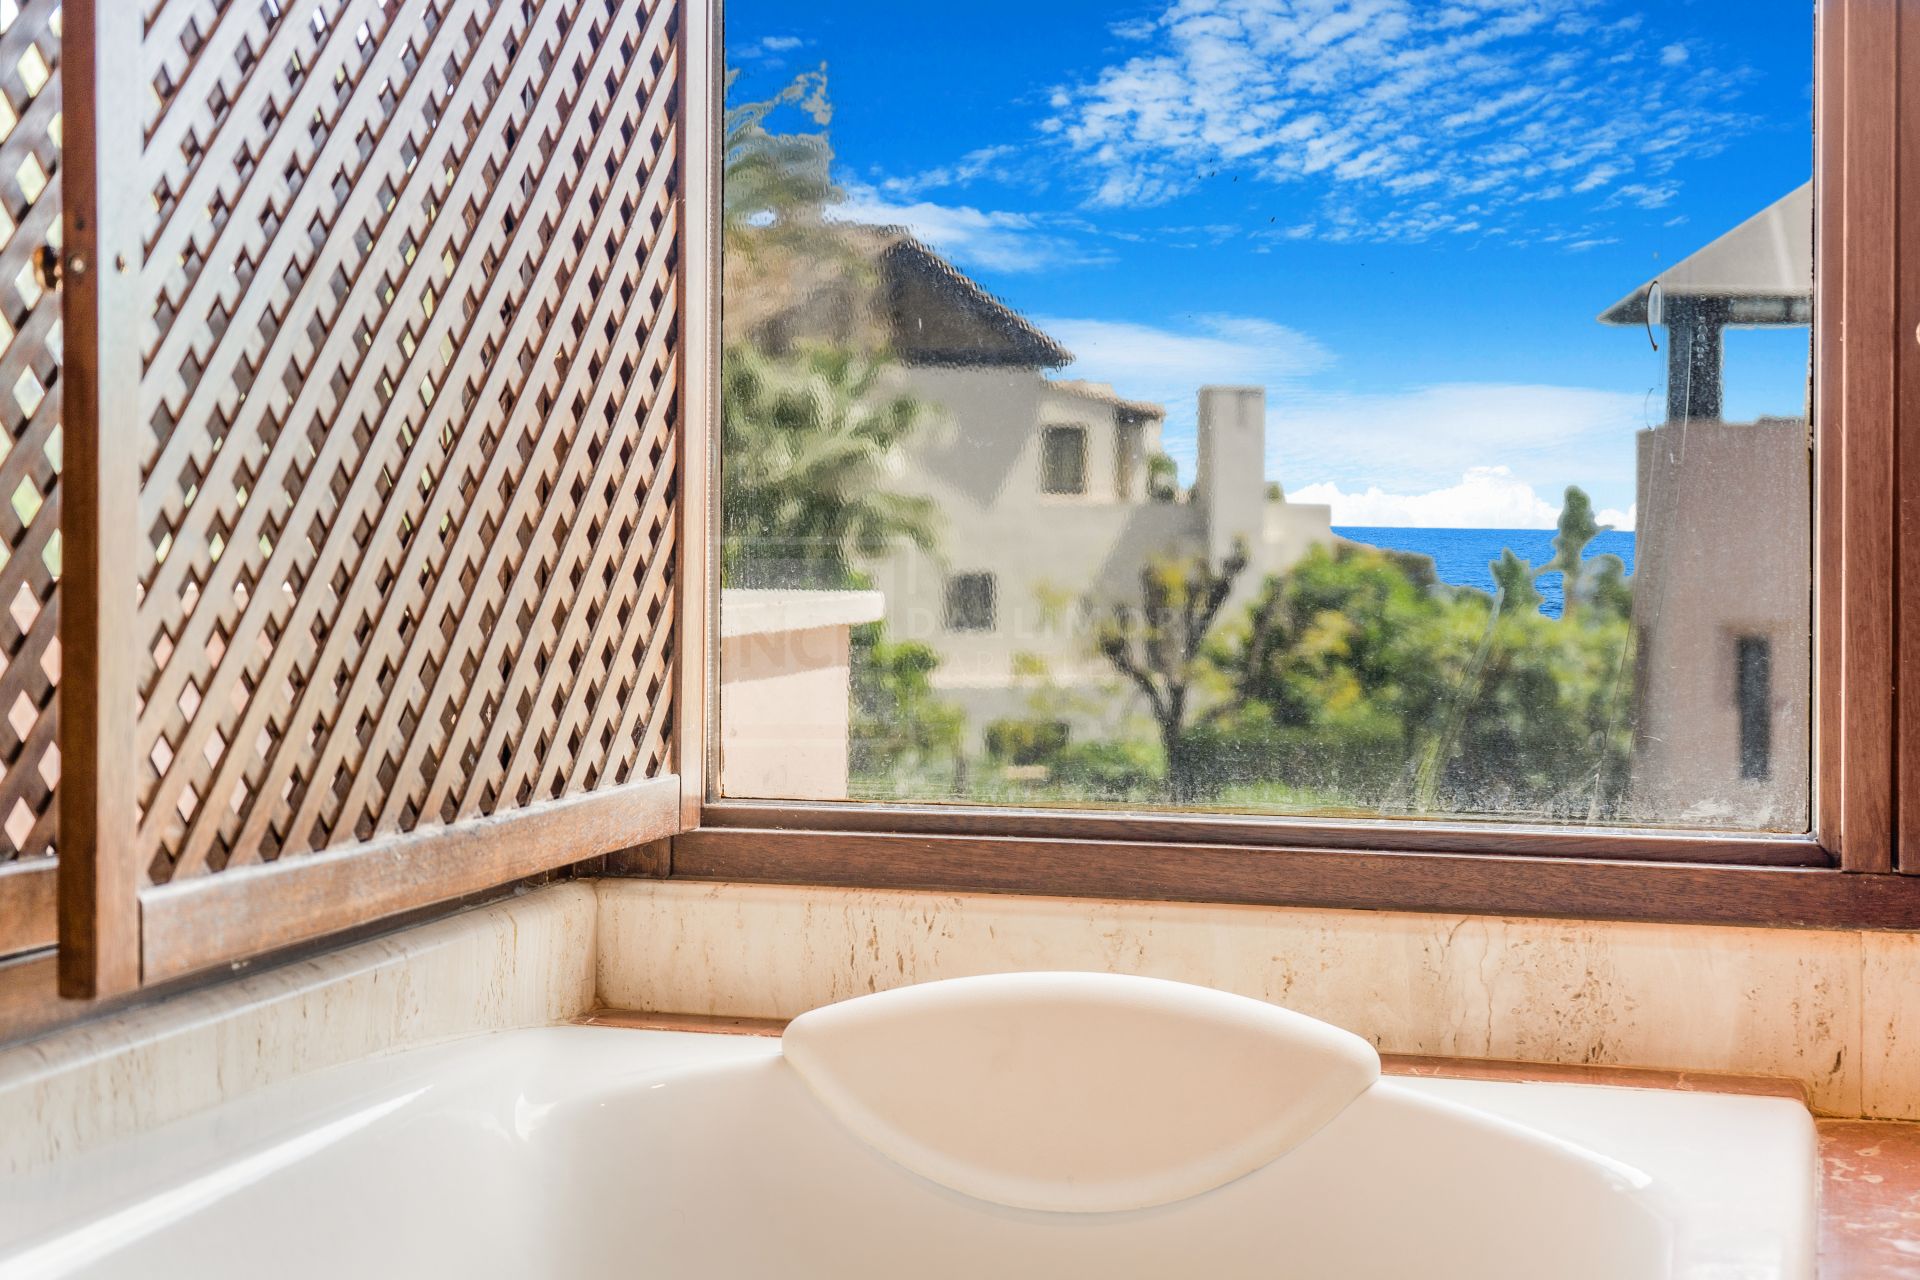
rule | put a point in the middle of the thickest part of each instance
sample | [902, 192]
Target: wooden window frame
[1845, 873]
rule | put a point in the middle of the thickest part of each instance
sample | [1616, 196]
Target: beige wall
[1837, 1011]
[1724, 550]
[784, 691]
[1053, 556]
[784, 715]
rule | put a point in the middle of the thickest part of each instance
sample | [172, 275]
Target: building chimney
[1230, 478]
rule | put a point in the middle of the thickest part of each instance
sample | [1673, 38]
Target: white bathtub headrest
[1077, 1092]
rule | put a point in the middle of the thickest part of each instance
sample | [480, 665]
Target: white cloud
[1617, 519]
[986, 162]
[1484, 498]
[1134, 28]
[1217, 349]
[1370, 101]
[1673, 55]
[988, 240]
[1423, 439]
[765, 47]
[1645, 195]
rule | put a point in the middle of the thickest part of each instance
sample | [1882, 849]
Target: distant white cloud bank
[1423, 440]
[1485, 498]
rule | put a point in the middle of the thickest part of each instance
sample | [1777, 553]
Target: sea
[1464, 557]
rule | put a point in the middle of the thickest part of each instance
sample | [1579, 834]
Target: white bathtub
[589, 1152]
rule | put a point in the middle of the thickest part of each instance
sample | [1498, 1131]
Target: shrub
[1026, 742]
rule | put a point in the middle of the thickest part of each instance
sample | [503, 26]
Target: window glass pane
[1431, 382]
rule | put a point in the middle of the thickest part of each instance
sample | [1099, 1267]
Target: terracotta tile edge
[1405, 1064]
[1869, 1200]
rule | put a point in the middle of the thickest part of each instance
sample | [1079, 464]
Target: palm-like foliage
[1513, 578]
[812, 449]
[791, 271]
[1578, 529]
[776, 180]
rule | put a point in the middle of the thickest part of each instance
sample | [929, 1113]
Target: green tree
[812, 433]
[901, 731]
[1539, 725]
[1540, 731]
[1608, 588]
[1359, 680]
[1513, 589]
[1577, 530]
[1163, 478]
[1160, 647]
[1343, 667]
[813, 427]
[810, 444]
[794, 275]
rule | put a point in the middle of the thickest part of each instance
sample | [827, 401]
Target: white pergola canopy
[1761, 272]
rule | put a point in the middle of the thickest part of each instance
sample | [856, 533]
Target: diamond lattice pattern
[408, 415]
[29, 427]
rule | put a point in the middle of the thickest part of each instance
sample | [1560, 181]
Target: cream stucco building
[1049, 510]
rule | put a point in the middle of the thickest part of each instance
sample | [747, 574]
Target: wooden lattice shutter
[382, 329]
[30, 455]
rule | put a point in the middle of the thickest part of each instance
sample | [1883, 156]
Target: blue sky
[1402, 216]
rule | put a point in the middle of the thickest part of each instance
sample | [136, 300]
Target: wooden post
[99, 873]
[1904, 269]
[701, 125]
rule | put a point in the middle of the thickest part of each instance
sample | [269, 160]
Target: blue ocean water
[1463, 557]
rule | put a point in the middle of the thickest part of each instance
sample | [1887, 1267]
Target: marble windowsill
[1835, 1011]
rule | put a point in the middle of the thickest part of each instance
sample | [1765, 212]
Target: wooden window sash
[1866, 371]
[1854, 123]
[703, 103]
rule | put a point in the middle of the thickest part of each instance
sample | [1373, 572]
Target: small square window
[970, 602]
[1063, 460]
